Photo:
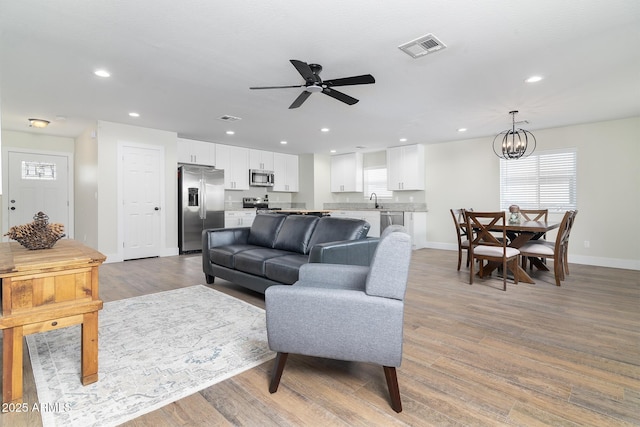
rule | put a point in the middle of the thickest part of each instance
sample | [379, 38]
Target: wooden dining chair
[463, 240]
[534, 214]
[486, 247]
[557, 250]
[566, 248]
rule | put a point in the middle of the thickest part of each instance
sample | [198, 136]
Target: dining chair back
[485, 246]
[534, 214]
[460, 221]
[565, 260]
[557, 250]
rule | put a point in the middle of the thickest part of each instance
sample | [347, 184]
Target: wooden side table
[43, 290]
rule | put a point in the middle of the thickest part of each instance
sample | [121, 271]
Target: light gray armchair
[345, 312]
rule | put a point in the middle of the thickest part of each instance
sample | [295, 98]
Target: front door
[141, 190]
[38, 183]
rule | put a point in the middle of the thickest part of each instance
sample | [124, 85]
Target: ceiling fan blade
[355, 80]
[276, 87]
[339, 96]
[304, 70]
[300, 99]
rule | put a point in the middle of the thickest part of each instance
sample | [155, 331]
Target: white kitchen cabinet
[372, 217]
[416, 225]
[346, 173]
[196, 152]
[235, 162]
[261, 159]
[405, 168]
[242, 218]
[285, 171]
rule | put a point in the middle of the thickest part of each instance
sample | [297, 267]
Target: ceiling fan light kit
[314, 84]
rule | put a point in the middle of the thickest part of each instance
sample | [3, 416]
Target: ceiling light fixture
[462, 130]
[133, 114]
[324, 130]
[38, 123]
[230, 132]
[283, 142]
[102, 73]
[533, 79]
[403, 139]
[514, 143]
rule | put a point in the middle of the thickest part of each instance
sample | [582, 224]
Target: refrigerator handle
[203, 198]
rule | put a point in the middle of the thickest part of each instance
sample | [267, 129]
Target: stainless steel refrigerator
[200, 204]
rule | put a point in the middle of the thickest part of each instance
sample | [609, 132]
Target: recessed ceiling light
[324, 130]
[403, 139]
[332, 151]
[230, 132]
[102, 73]
[533, 79]
[283, 142]
[133, 114]
[462, 130]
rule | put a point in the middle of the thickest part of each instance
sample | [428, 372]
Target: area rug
[153, 350]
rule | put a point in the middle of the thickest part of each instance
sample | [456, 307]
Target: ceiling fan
[313, 83]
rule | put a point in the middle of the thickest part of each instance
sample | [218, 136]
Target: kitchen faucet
[370, 197]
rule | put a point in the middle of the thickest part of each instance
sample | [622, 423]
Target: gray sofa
[271, 251]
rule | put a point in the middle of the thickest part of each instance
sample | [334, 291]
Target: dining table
[519, 234]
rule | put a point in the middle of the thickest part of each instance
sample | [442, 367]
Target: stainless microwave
[261, 178]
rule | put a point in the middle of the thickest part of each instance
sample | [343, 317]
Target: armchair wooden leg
[276, 374]
[394, 390]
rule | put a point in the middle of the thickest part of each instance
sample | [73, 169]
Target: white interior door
[141, 191]
[38, 183]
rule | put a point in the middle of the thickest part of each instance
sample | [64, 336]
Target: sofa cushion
[284, 269]
[295, 233]
[264, 229]
[252, 261]
[336, 229]
[223, 255]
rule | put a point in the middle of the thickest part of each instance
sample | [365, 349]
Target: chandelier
[514, 143]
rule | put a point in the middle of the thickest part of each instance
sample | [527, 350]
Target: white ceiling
[183, 64]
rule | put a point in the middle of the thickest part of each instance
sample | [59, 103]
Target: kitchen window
[375, 181]
[544, 180]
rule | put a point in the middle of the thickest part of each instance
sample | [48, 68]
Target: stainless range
[255, 202]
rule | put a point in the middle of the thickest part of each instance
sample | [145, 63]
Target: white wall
[466, 174]
[86, 187]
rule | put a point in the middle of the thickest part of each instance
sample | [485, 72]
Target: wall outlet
[587, 244]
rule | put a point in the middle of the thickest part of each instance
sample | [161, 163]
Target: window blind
[546, 180]
[375, 181]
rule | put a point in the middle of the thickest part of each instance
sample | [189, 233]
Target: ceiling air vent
[228, 118]
[422, 46]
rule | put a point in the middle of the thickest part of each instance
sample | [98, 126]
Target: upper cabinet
[260, 159]
[235, 162]
[285, 170]
[346, 173]
[405, 168]
[196, 152]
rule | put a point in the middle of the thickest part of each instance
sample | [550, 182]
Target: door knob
[13, 208]
[156, 208]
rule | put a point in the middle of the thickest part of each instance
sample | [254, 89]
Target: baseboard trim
[625, 264]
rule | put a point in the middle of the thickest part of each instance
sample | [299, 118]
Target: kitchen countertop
[398, 207]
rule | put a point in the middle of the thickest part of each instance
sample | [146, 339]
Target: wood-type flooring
[535, 355]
